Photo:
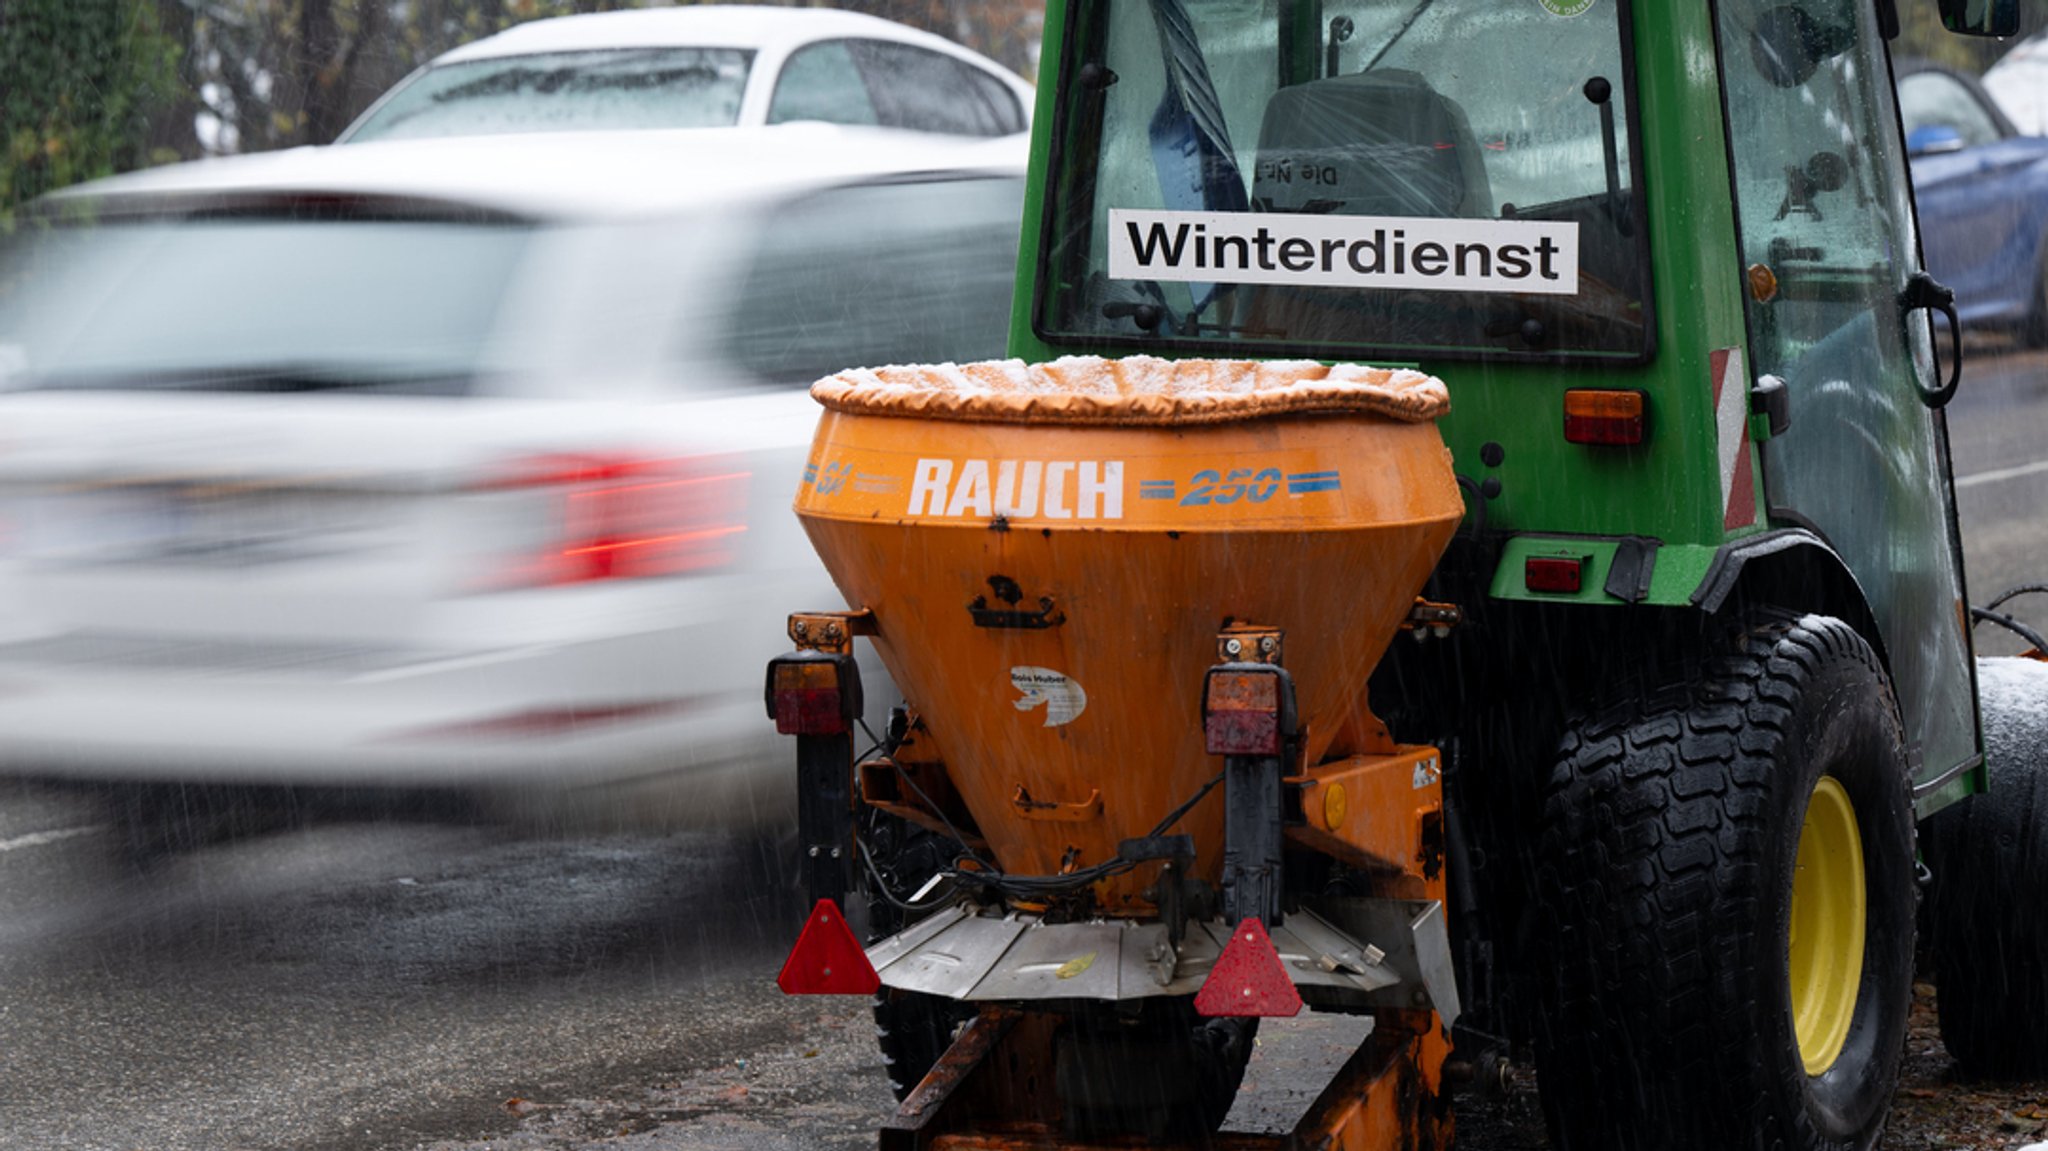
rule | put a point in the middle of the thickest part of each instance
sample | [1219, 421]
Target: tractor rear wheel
[912, 1028]
[1726, 866]
[1989, 855]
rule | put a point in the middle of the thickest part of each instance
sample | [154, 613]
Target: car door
[1980, 190]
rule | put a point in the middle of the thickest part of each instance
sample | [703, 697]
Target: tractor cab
[1664, 257]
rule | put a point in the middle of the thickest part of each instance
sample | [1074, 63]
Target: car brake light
[631, 518]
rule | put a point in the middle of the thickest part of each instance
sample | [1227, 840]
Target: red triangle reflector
[827, 959]
[1248, 978]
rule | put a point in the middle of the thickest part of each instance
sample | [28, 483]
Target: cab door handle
[1924, 291]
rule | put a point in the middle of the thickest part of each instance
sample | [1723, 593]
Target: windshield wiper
[1387, 47]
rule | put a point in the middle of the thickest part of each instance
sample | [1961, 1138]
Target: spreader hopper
[1051, 551]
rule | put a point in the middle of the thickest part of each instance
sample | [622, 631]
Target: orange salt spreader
[1132, 606]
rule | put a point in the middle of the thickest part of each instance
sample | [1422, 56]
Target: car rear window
[565, 92]
[255, 302]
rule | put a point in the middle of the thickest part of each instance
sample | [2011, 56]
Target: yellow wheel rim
[1825, 964]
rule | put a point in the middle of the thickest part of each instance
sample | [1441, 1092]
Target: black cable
[1986, 615]
[1478, 504]
[990, 876]
[882, 885]
[2011, 592]
[1173, 817]
[1029, 885]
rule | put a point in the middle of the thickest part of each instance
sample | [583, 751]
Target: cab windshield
[1430, 177]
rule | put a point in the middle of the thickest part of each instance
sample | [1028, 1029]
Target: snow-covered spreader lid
[1132, 391]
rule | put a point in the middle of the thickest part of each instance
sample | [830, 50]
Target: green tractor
[1698, 658]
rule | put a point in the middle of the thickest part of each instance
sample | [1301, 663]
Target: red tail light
[1241, 713]
[804, 697]
[1558, 575]
[632, 518]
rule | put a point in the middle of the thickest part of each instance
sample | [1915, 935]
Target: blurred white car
[702, 66]
[455, 462]
[2019, 82]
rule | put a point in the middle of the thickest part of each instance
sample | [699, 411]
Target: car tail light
[630, 518]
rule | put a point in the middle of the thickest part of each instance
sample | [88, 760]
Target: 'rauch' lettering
[1020, 489]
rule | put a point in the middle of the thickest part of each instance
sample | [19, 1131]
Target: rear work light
[1604, 418]
[619, 517]
[811, 695]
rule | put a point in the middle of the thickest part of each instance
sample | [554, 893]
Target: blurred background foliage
[91, 87]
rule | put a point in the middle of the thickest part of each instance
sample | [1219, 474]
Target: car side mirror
[1981, 17]
[1932, 140]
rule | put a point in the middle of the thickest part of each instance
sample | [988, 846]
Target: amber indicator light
[805, 698]
[1241, 713]
[1604, 418]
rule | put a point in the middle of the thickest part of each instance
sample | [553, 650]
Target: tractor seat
[1380, 143]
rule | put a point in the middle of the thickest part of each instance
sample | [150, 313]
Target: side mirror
[1981, 17]
[1932, 140]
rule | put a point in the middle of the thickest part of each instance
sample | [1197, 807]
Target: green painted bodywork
[1678, 572]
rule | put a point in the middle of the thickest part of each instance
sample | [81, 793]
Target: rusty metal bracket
[1250, 643]
[1050, 811]
[1009, 593]
[1048, 615]
[1436, 618]
[830, 632]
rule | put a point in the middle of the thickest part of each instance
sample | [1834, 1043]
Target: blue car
[1982, 190]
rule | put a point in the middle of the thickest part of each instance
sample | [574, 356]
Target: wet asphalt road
[421, 984]
[453, 985]
[360, 985]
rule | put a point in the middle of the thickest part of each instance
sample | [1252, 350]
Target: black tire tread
[1650, 847]
[1989, 855]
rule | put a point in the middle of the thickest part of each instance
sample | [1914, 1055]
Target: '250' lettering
[1213, 487]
